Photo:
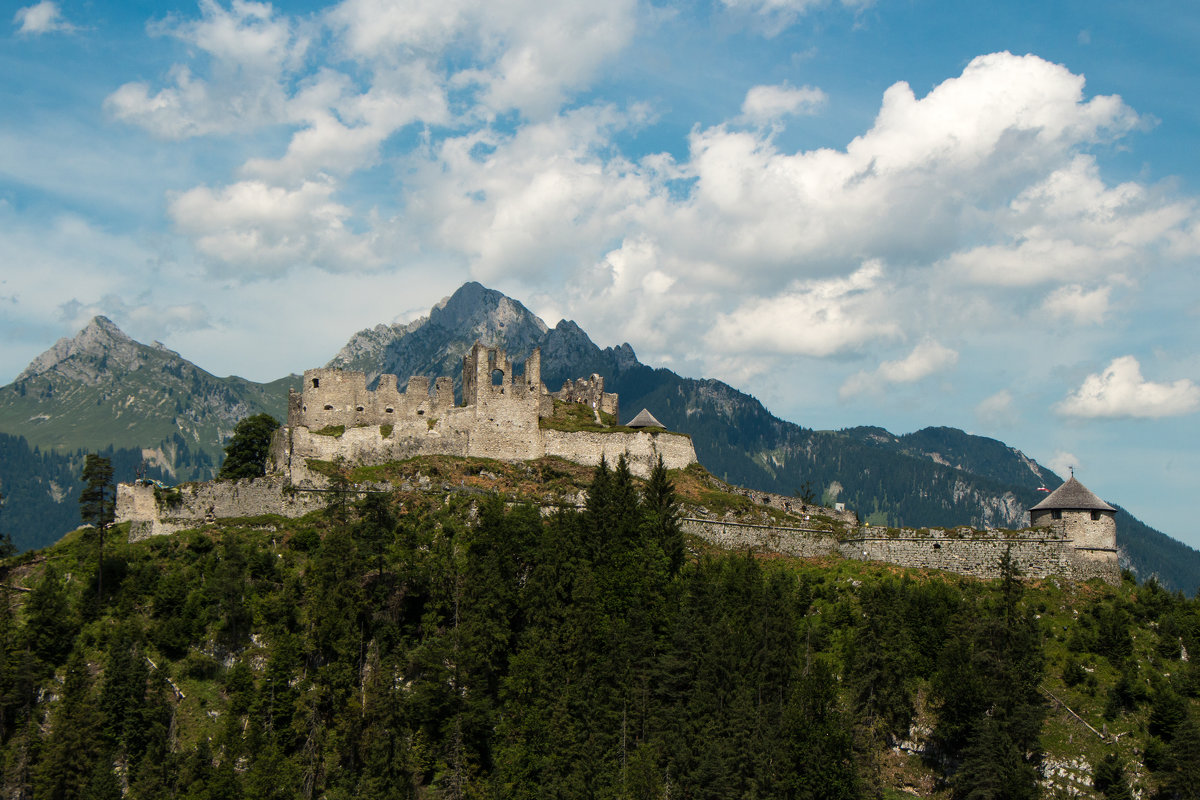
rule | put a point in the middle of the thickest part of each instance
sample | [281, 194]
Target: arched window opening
[497, 377]
[328, 407]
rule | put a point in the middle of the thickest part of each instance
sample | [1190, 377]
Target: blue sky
[891, 213]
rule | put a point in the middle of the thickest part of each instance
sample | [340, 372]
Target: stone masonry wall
[641, 449]
[200, 502]
[798, 542]
[976, 553]
[1097, 534]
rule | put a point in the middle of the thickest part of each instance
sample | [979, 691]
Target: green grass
[330, 430]
[576, 418]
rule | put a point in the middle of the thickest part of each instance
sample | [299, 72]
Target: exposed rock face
[91, 356]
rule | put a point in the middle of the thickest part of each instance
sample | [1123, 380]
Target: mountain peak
[99, 339]
[486, 312]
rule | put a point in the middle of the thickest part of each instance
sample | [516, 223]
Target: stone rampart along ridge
[797, 542]
[335, 417]
[1037, 552]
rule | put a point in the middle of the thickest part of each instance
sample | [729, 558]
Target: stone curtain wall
[337, 397]
[202, 502]
[975, 553]
[798, 542]
[641, 449]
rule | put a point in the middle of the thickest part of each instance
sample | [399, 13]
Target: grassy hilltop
[449, 639]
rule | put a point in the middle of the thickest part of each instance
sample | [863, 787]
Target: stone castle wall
[1037, 553]
[1096, 533]
[641, 449]
[138, 504]
[500, 418]
[798, 542]
[333, 397]
[590, 392]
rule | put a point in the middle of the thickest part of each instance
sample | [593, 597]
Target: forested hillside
[417, 644]
[41, 488]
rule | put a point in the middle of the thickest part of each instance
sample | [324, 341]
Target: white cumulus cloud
[813, 318]
[1121, 391]
[997, 409]
[1077, 305]
[251, 50]
[44, 17]
[261, 229]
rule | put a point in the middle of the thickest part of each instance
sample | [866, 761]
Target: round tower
[1085, 519]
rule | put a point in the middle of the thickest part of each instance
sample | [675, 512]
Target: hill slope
[469, 647]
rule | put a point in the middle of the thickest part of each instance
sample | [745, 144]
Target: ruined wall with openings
[590, 392]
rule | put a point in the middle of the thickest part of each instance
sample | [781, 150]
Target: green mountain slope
[41, 487]
[102, 389]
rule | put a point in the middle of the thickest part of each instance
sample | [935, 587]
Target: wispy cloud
[927, 358]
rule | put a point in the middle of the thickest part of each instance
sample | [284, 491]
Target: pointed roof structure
[644, 419]
[1072, 496]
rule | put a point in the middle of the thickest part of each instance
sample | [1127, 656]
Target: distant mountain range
[102, 389]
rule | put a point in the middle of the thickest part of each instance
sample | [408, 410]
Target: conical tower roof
[644, 419]
[1072, 496]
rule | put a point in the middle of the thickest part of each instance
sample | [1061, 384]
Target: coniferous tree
[73, 750]
[7, 548]
[246, 453]
[97, 506]
[661, 512]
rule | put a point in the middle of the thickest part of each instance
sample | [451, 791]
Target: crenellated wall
[499, 418]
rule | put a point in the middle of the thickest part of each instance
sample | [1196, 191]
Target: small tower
[1089, 522]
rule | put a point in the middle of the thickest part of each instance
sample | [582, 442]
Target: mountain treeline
[403, 646]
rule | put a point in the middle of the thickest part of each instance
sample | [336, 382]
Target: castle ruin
[335, 416]
[503, 415]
